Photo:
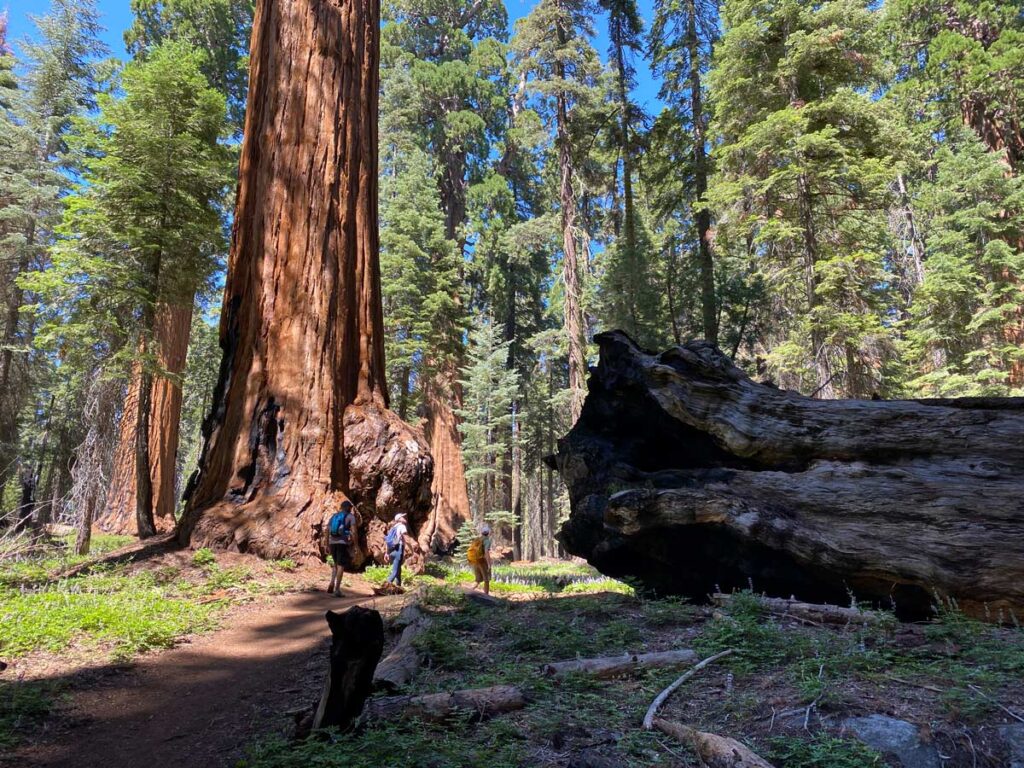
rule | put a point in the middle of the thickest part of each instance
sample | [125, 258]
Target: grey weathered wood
[614, 666]
[400, 666]
[474, 704]
[816, 612]
[684, 472]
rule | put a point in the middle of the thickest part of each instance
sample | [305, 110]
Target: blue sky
[116, 17]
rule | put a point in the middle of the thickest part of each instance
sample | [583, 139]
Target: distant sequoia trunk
[688, 475]
[300, 417]
[173, 324]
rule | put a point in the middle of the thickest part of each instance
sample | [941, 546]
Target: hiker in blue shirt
[395, 543]
[341, 537]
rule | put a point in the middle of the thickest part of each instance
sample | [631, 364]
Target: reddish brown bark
[300, 415]
[172, 332]
[450, 497]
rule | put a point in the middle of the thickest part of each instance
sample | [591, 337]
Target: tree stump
[357, 642]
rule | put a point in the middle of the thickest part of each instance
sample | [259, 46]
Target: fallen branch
[714, 750]
[400, 666]
[984, 695]
[614, 666]
[475, 704]
[663, 696]
[812, 612]
[912, 684]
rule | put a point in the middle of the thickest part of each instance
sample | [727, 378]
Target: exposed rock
[894, 738]
[1013, 735]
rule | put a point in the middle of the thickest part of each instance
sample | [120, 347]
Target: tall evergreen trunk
[12, 391]
[825, 390]
[173, 324]
[708, 302]
[449, 493]
[300, 417]
[443, 393]
[570, 262]
[634, 270]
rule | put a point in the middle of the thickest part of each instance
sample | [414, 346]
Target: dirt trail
[201, 703]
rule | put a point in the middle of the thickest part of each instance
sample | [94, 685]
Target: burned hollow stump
[357, 642]
[685, 473]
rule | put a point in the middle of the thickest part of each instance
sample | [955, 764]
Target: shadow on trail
[200, 703]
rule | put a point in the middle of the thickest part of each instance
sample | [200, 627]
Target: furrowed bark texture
[449, 507]
[685, 473]
[172, 330]
[300, 417]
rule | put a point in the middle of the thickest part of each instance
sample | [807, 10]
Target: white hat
[400, 517]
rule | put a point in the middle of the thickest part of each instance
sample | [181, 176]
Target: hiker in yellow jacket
[479, 557]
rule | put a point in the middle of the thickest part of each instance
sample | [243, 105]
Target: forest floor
[206, 659]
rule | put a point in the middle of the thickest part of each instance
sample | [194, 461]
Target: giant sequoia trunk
[300, 416]
[450, 498]
[687, 474]
[173, 324]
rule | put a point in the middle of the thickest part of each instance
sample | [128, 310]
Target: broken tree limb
[614, 666]
[686, 474]
[662, 697]
[400, 666]
[714, 751]
[816, 612]
[474, 704]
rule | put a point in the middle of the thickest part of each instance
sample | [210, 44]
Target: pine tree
[59, 82]
[803, 172]
[560, 70]
[956, 330]
[141, 230]
[219, 29]
[682, 38]
[489, 388]
[442, 63]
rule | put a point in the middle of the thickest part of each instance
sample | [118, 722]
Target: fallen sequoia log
[688, 475]
[615, 666]
[475, 704]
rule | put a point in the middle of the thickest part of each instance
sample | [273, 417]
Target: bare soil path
[200, 703]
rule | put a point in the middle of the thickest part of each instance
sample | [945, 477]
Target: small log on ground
[474, 704]
[357, 641]
[686, 474]
[714, 751]
[479, 597]
[616, 666]
[816, 612]
[400, 666]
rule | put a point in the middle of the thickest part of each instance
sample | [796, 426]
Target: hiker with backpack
[341, 537]
[479, 557]
[394, 543]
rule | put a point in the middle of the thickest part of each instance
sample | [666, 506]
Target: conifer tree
[971, 216]
[141, 229]
[682, 38]
[489, 388]
[552, 49]
[59, 82]
[803, 171]
[219, 29]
